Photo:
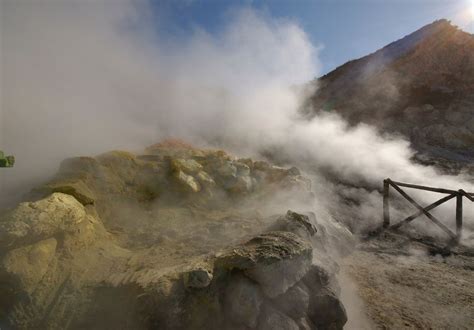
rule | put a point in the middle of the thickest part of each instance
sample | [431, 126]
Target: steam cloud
[83, 77]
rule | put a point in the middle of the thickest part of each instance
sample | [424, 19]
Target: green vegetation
[6, 161]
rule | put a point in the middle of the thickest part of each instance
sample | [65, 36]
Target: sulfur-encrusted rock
[242, 169]
[275, 260]
[276, 173]
[79, 166]
[241, 185]
[119, 245]
[27, 265]
[299, 183]
[78, 189]
[261, 165]
[243, 299]
[188, 165]
[121, 163]
[41, 219]
[187, 182]
[175, 148]
[226, 170]
[205, 180]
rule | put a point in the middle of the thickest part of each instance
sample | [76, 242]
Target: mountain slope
[421, 86]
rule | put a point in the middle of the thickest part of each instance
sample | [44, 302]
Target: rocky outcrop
[77, 189]
[268, 282]
[156, 241]
[39, 242]
[165, 173]
[243, 301]
[275, 260]
[198, 277]
[30, 221]
[28, 264]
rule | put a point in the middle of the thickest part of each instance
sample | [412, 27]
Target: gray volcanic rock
[199, 277]
[272, 319]
[294, 302]
[326, 310]
[299, 224]
[276, 260]
[243, 299]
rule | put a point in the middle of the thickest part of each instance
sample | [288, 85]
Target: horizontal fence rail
[458, 194]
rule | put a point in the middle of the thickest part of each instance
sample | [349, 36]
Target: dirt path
[414, 290]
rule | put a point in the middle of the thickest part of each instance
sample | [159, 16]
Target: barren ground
[411, 288]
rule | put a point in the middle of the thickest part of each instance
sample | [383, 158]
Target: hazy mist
[84, 77]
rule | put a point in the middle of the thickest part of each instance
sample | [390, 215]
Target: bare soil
[411, 287]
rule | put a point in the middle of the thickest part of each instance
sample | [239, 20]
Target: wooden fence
[450, 194]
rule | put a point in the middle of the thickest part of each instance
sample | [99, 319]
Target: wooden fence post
[459, 194]
[386, 211]
[459, 215]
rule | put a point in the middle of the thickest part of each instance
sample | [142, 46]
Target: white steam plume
[83, 77]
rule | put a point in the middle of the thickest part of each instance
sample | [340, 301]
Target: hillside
[421, 87]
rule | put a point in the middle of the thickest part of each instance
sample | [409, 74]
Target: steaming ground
[408, 284]
[80, 78]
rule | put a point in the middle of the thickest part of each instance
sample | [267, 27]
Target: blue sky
[347, 29]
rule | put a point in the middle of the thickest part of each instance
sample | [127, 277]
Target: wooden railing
[458, 194]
